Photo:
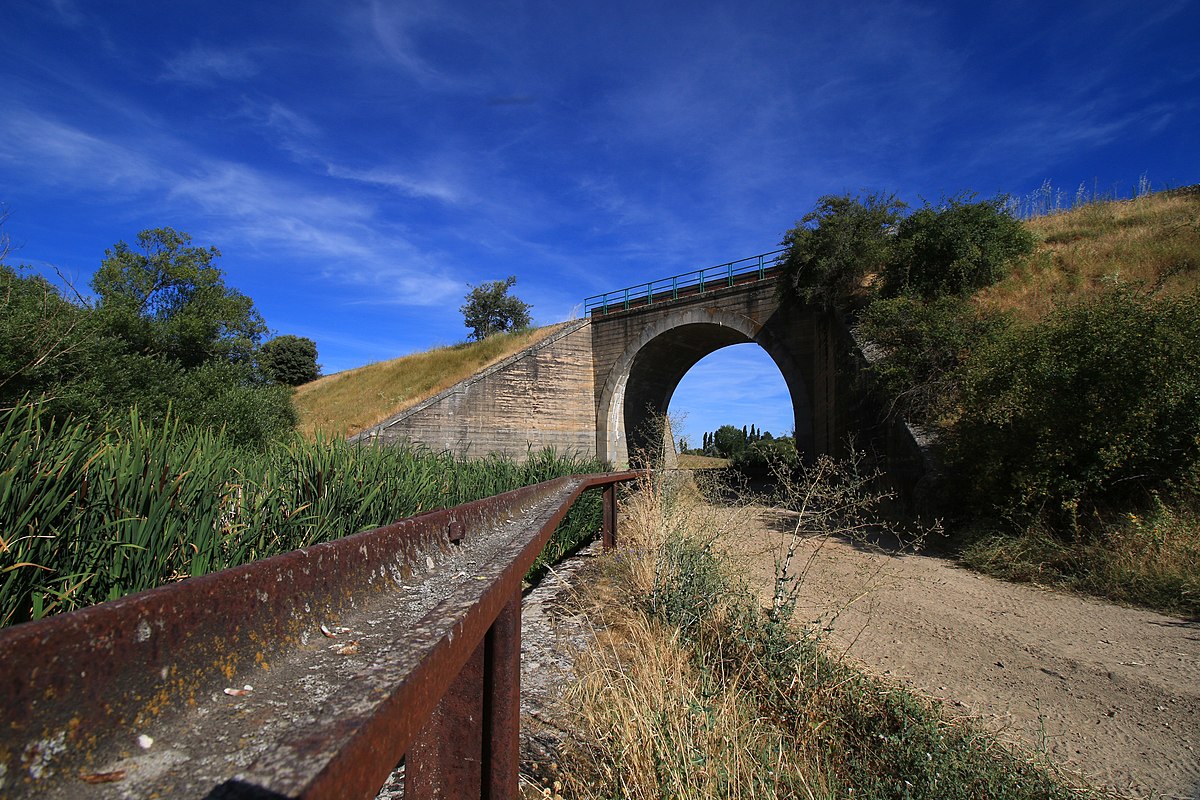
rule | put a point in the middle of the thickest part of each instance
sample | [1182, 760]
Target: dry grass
[692, 689]
[354, 400]
[658, 725]
[1150, 559]
[1152, 240]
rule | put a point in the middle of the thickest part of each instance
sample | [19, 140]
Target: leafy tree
[166, 336]
[728, 441]
[43, 337]
[166, 297]
[290, 360]
[955, 249]
[490, 309]
[836, 249]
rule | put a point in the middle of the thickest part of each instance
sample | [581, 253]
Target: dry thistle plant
[820, 502]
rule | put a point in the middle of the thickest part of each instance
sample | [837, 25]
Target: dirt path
[1111, 692]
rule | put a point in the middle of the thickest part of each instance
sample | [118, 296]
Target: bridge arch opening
[737, 385]
[641, 384]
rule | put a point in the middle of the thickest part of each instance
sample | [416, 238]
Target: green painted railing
[687, 284]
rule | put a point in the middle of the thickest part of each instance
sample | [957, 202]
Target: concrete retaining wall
[541, 397]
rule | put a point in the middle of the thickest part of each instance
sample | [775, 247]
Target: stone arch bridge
[595, 385]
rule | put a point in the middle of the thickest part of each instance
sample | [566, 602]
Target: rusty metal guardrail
[311, 674]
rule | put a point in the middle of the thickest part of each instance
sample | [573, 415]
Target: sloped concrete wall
[541, 397]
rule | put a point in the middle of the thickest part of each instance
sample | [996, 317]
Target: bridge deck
[686, 285]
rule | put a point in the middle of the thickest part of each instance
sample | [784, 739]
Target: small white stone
[145, 742]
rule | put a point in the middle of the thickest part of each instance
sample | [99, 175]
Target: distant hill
[352, 401]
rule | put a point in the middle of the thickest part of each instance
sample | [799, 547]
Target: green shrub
[835, 249]
[220, 395]
[922, 345]
[955, 249]
[290, 360]
[761, 458]
[1099, 404]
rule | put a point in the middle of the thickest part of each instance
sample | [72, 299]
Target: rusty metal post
[609, 532]
[445, 760]
[471, 745]
[502, 705]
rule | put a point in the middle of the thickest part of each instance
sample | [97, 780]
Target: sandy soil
[1110, 692]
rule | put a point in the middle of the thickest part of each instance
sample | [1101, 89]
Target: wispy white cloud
[68, 13]
[204, 65]
[340, 234]
[299, 136]
[1038, 133]
[436, 188]
[60, 154]
[333, 233]
[392, 32]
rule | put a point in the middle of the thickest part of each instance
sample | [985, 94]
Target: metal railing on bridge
[687, 284]
[402, 642]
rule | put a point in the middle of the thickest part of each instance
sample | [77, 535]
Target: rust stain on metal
[107, 676]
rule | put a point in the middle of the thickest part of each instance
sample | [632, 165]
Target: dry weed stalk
[827, 499]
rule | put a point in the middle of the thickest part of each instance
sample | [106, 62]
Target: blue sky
[360, 163]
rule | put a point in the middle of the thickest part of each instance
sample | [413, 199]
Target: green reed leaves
[90, 512]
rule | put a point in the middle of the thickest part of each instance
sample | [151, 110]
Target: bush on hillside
[835, 249]
[1099, 405]
[921, 346]
[955, 249]
[290, 360]
[490, 309]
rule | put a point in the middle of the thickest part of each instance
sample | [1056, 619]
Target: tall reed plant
[90, 512]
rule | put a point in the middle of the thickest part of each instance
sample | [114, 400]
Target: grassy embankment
[352, 401]
[692, 689]
[1148, 555]
[1150, 240]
